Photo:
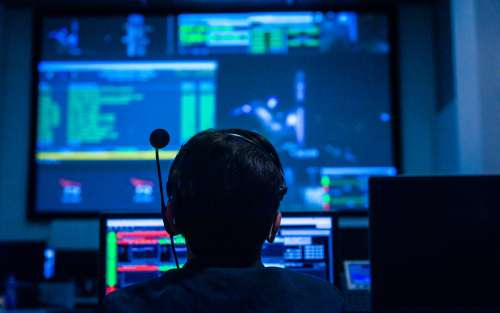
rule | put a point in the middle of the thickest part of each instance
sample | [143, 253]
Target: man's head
[225, 187]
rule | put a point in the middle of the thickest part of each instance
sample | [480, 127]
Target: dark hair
[225, 187]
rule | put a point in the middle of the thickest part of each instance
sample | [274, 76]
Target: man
[224, 190]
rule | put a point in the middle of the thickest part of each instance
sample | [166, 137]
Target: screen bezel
[388, 10]
[103, 217]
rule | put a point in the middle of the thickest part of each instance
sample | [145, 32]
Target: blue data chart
[106, 110]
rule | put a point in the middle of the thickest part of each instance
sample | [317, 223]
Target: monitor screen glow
[316, 83]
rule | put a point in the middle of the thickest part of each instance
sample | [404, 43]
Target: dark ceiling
[211, 4]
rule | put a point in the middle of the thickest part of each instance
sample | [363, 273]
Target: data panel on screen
[317, 84]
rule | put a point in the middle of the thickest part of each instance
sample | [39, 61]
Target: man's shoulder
[136, 297]
[275, 283]
[125, 299]
[303, 281]
[314, 292]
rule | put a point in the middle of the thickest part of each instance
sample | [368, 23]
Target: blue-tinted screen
[317, 84]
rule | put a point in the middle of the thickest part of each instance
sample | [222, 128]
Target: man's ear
[274, 228]
[170, 219]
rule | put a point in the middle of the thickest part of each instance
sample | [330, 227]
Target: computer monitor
[316, 83]
[137, 248]
[357, 273]
[435, 243]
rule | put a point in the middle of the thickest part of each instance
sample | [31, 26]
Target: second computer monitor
[137, 248]
[434, 243]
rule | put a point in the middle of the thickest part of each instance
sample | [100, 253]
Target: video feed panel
[112, 37]
[314, 113]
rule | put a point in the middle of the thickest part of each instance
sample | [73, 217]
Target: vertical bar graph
[111, 259]
[207, 106]
[188, 110]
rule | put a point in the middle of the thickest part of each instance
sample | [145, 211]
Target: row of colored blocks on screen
[325, 183]
[340, 201]
[145, 268]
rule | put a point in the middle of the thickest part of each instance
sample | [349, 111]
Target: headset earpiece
[164, 213]
[283, 189]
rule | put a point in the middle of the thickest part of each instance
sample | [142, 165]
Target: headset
[272, 154]
[159, 138]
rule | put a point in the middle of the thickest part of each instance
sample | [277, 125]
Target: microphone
[158, 139]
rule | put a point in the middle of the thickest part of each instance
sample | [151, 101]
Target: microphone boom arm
[159, 139]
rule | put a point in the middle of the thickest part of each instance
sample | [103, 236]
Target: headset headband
[283, 188]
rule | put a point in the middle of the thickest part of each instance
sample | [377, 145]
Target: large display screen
[316, 84]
